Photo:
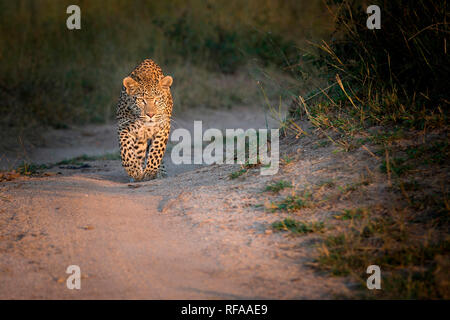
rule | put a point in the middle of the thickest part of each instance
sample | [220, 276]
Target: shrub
[396, 74]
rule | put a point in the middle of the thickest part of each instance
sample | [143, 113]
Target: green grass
[321, 144]
[27, 168]
[407, 236]
[396, 165]
[80, 159]
[297, 227]
[278, 186]
[30, 168]
[287, 159]
[245, 168]
[388, 136]
[410, 269]
[237, 174]
[291, 203]
[436, 153]
[350, 214]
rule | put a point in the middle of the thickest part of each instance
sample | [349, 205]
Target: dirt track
[194, 235]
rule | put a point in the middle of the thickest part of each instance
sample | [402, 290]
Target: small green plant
[278, 186]
[247, 165]
[79, 160]
[298, 227]
[350, 214]
[290, 203]
[287, 159]
[321, 144]
[30, 168]
[387, 136]
[428, 154]
[237, 174]
[396, 165]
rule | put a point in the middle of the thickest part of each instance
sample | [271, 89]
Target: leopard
[143, 116]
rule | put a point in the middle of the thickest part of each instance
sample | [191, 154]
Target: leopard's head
[152, 96]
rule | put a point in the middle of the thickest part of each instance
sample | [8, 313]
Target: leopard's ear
[130, 85]
[166, 82]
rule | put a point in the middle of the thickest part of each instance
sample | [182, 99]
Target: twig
[370, 152]
[388, 168]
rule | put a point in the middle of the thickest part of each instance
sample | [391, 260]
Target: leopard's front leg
[156, 154]
[132, 151]
[133, 142]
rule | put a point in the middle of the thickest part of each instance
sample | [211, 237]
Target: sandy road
[193, 235]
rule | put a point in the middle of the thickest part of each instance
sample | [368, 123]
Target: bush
[398, 73]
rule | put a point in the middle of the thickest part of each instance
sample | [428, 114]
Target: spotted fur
[143, 116]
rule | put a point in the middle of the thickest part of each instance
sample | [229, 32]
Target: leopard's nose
[150, 114]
